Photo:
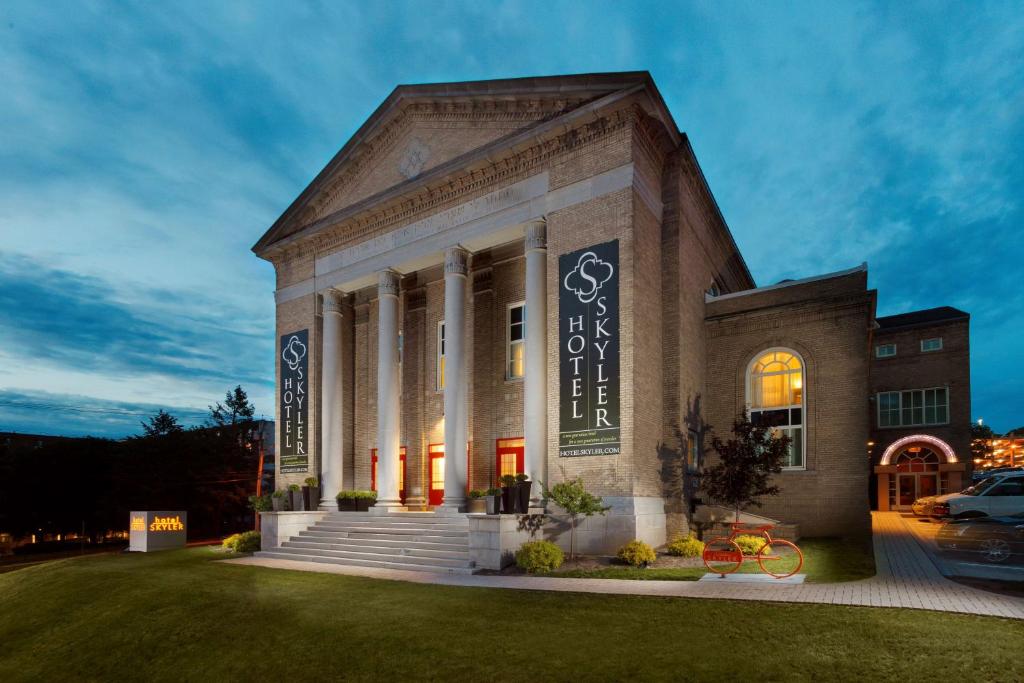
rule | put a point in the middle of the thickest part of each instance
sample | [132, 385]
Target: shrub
[750, 544]
[476, 493]
[260, 503]
[248, 542]
[356, 495]
[311, 481]
[521, 477]
[508, 480]
[294, 487]
[493, 492]
[230, 542]
[687, 546]
[637, 554]
[280, 493]
[539, 556]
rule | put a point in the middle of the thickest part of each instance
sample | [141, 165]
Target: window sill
[514, 380]
[916, 426]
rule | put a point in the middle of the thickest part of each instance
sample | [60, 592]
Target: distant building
[532, 275]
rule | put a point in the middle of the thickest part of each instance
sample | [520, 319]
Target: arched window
[775, 397]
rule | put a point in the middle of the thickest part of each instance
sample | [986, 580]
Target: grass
[826, 560]
[180, 616]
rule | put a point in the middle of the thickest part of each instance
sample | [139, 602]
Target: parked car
[996, 539]
[978, 475]
[922, 507]
[997, 496]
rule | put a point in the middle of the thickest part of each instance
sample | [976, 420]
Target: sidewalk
[906, 577]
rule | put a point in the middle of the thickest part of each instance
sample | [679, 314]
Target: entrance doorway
[401, 471]
[435, 467]
[917, 476]
[510, 457]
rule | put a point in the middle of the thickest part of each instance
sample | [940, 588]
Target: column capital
[388, 283]
[333, 300]
[536, 235]
[456, 261]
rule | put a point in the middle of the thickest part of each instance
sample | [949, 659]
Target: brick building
[534, 275]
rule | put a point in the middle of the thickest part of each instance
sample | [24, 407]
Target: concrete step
[388, 521]
[400, 551]
[397, 531]
[401, 538]
[439, 542]
[409, 561]
[284, 555]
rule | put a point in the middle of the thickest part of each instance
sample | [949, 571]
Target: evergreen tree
[162, 424]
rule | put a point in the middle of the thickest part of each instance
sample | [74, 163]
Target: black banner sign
[294, 396]
[588, 351]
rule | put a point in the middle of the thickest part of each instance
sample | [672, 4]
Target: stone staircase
[421, 541]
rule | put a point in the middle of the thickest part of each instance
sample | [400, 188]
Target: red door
[510, 456]
[401, 471]
[435, 468]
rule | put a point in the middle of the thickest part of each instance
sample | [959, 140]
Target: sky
[145, 147]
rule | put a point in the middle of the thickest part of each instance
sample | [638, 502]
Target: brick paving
[905, 577]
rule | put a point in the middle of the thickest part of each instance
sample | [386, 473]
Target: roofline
[620, 83]
[862, 268]
[921, 323]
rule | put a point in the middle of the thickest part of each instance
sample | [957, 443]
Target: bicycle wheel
[780, 558]
[722, 555]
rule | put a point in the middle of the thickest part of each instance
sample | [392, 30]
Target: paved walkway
[906, 577]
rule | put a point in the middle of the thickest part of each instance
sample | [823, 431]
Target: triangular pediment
[419, 128]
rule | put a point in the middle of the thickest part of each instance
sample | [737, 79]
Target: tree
[745, 465]
[572, 497]
[981, 442]
[235, 409]
[162, 424]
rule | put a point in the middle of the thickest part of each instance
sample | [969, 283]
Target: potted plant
[259, 503]
[311, 493]
[508, 494]
[493, 499]
[277, 500]
[366, 500]
[295, 497]
[346, 501]
[523, 486]
[477, 504]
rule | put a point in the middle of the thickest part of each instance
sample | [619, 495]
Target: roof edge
[863, 267]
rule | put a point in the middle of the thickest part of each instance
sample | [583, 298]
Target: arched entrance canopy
[938, 444]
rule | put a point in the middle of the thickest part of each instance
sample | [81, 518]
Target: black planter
[523, 496]
[311, 497]
[493, 504]
[295, 500]
[364, 504]
[508, 500]
[346, 504]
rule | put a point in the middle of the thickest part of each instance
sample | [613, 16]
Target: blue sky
[144, 147]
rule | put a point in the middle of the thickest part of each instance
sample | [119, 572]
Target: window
[692, 451]
[933, 344]
[440, 356]
[775, 396]
[516, 335]
[885, 351]
[913, 408]
[1011, 487]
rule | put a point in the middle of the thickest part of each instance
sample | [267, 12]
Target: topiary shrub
[750, 544]
[637, 554]
[246, 542]
[686, 546]
[537, 557]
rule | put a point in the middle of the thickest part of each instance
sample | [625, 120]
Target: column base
[328, 504]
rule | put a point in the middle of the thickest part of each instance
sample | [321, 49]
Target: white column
[331, 434]
[387, 391]
[456, 268]
[535, 383]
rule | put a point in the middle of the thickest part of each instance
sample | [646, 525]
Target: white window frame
[899, 408]
[803, 401]
[931, 339]
[879, 347]
[509, 342]
[439, 356]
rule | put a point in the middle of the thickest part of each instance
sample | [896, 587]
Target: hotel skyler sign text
[294, 402]
[588, 351]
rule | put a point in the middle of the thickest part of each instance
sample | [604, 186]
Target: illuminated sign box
[151, 530]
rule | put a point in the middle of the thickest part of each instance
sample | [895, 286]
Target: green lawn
[180, 615]
[826, 560]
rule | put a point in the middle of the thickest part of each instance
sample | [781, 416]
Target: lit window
[913, 408]
[933, 344]
[440, 355]
[775, 395]
[692, 451]
[885, 351]
[516, 350]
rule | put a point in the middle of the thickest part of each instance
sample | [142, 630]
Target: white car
[996, 496]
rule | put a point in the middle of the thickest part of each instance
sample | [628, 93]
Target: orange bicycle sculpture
[777, 557]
